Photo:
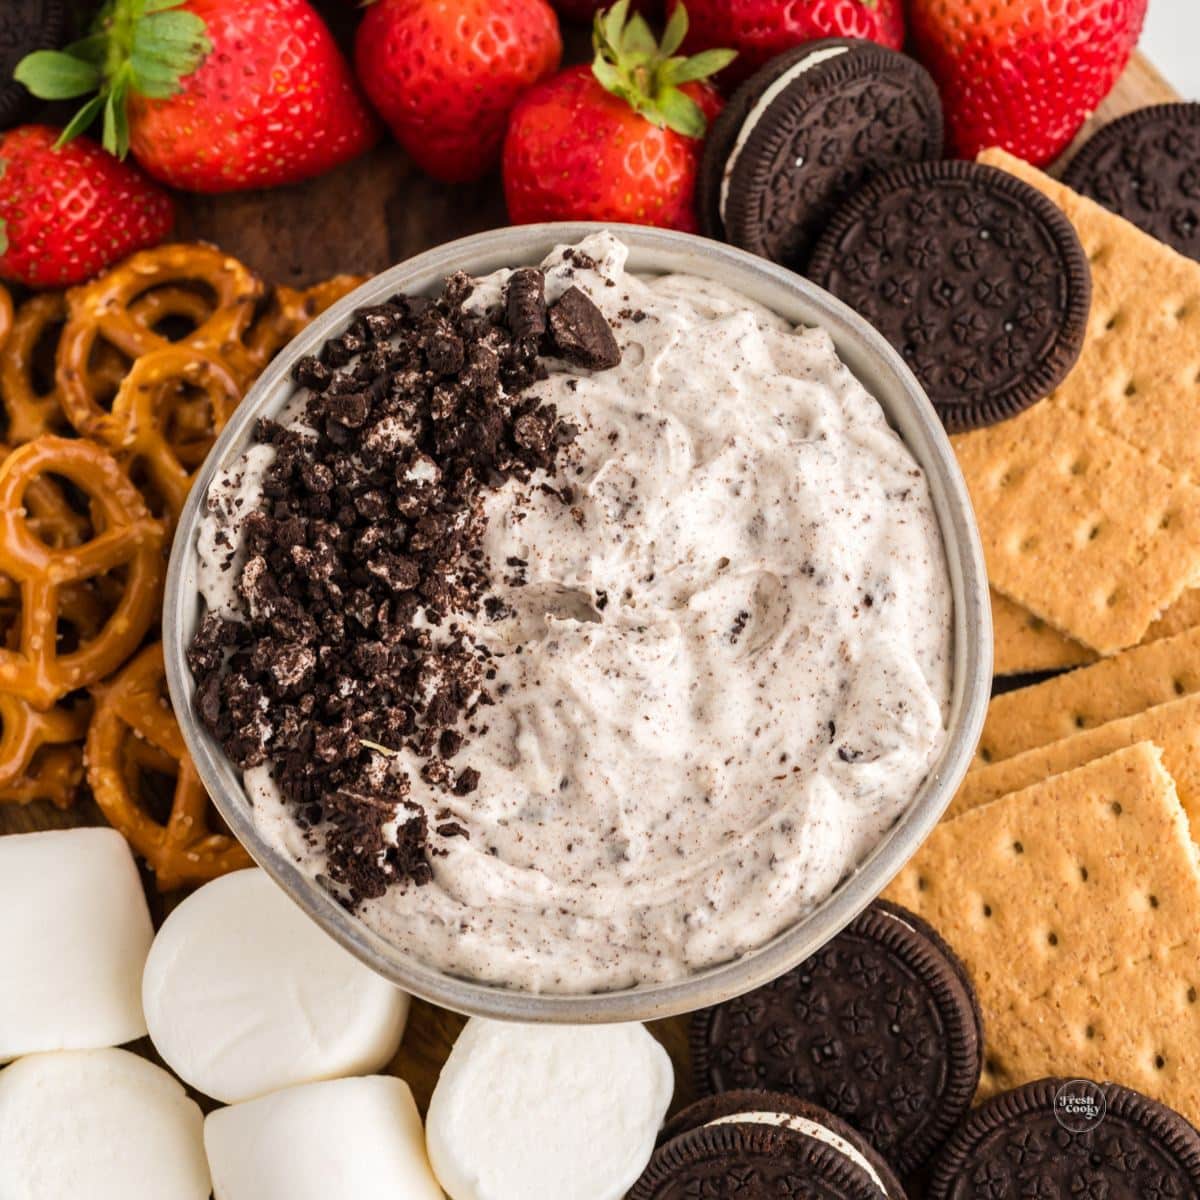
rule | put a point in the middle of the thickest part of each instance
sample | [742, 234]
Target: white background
[1172, 41]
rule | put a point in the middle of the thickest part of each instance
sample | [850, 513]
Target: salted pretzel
[55, 774]
[51, 518]
[30, 413]
[124, 535]
[151, 309]
[133, 730]
[40, 752]
[6, 314]
[288, 311]
[144, 411]
[100, 312]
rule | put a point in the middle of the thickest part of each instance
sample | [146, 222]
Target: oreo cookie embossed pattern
[1017, 1144]
[803, 134]
[881, 1027]
[1146, 167]
[974, 276]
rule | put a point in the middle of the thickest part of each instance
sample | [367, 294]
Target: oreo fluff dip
[621, 689]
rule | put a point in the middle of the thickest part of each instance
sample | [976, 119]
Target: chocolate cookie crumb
[580, 333]
[347, 671]
[525, 299]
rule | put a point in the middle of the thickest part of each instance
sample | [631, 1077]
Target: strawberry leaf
[81, 120]
[91, 49]
[57, 75]
[699, 66]
[647, 74]
[3, 236]
[675, 32]
[134, 47]
[608, 75]
[638, 40]
[612, 22]
[116, 116]
[681, 113]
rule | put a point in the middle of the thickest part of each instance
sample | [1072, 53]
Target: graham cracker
[1175, 727]
[1074, 907]
[1080, 527]
[1139, 374]
[1128, 683]
[1024, 644]
[1084, 553]
[1183, 614]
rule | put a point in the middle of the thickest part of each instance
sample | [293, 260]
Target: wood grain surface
[363, 218]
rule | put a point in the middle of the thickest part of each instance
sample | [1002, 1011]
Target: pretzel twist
[151, 407]
[40, 752]
[55, 774]
[6, 314]
[105, 309]
[30, 413]
[133, 729]
[125, 535]
[287, 313]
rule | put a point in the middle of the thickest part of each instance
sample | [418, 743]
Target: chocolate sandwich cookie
[803, 134]
[1060, 1137]
[757, 1145]
[881, 1027]
[1146, 168]
[25, 26]
[975, 277]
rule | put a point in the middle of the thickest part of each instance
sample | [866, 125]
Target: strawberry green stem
[646, 73]
[134, 47]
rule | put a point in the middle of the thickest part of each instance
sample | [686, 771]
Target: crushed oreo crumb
[580, 333]
[367, 541]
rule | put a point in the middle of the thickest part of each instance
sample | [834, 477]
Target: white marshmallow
[547, 1112]
[73, 942]
[98, 1125]
[345, 1139]
[245, 995]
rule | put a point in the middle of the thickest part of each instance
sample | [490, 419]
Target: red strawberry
[760, 29]
[66, 214]
[445, 74]
[1025, 74]
[213, 95]
[619, 140]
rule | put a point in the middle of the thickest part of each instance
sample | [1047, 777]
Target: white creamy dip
[728, 671]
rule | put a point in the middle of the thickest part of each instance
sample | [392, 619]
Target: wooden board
[363, 218]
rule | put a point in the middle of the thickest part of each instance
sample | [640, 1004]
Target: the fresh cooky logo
[1080, 1106]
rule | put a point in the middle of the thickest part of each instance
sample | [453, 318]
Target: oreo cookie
[1146, 168]
[881, 1027]
[976, 278]
[803, 134]
[758, 1145]
[1060, 1137]
[25, 26]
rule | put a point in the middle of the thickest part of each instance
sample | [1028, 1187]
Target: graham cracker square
[1174, 727]
[1080, 527]
[1121, 686]
[1074, 906]
[1024, 644]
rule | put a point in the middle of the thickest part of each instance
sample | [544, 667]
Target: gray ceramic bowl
[884, 374]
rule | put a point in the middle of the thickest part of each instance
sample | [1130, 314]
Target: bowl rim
[905, 403]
